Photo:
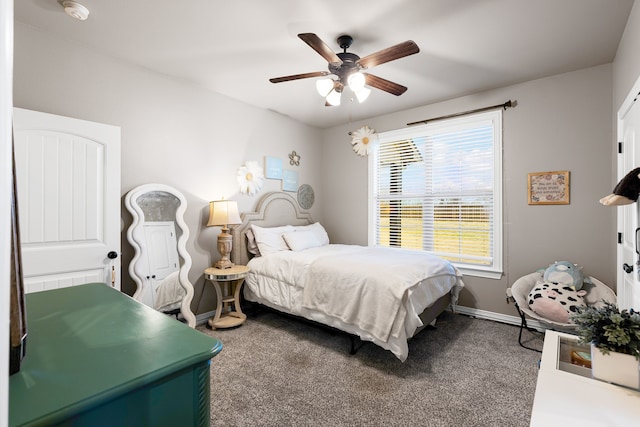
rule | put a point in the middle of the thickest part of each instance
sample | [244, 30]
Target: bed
[381, 295]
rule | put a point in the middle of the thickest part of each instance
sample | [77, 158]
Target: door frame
[632, 97]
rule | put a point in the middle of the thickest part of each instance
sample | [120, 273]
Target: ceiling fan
[348, 68]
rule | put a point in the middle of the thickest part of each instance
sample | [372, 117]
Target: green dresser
[96, 357]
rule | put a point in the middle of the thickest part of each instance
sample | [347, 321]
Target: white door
[68, 174]
[162, 256]
[627, 256]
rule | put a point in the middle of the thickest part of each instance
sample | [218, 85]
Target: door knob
[112, 255]
[627, 268]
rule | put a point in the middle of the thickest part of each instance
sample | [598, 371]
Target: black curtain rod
[506, 105]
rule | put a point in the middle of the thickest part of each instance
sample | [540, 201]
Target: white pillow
[270, 239]
[317, 229]
[300, 240]
[252, 246]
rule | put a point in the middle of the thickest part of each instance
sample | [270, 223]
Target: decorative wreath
[362, 139]
[294, 159]
[250, 178]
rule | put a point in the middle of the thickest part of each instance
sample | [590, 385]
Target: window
[438, 188]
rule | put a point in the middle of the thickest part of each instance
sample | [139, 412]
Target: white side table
[566, 395]
[227, 283]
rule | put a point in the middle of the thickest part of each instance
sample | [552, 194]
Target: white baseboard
[203, 317]
[499, 317]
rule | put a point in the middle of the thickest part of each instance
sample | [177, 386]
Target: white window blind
[437, 188]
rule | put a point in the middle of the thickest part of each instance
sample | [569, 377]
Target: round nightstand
[227, 283]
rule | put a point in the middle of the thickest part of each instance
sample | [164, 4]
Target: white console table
[566, 395]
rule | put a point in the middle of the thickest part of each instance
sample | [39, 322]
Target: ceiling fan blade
[383, 84]
[299, 76]
[319, 46]
[389, 54]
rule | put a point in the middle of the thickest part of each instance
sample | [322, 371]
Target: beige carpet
[280, 371]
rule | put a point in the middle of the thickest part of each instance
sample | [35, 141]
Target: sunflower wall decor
[362, 139]
[250, 178]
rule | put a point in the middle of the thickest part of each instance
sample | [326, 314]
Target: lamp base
[223, 264]
[224, 247]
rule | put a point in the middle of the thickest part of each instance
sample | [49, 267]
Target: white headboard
[273, 209]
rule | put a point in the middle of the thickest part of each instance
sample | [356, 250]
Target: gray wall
[172, 133]
[194, 140]
[561, 122]
[626, 66]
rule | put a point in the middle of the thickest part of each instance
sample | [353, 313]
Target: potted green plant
[614, 336]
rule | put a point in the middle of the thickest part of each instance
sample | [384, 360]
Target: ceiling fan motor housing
[349, 65]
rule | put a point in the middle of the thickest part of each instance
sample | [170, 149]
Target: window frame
[494, 271]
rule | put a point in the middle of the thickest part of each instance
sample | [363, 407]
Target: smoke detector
[75, 10]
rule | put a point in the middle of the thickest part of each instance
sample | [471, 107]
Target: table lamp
[224, 213]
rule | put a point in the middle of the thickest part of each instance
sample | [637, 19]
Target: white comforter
[169, 293]
[366, 287]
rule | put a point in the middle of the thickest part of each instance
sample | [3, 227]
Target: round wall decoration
[306, 196]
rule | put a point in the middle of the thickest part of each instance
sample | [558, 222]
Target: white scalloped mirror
[158, 234]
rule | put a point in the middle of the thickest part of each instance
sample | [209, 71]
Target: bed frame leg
[354, 347]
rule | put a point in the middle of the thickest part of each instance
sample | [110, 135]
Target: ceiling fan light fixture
[75, 10]
[363, 94]
[356, 81]
[333, 98]
[346, 67]
[324, 86]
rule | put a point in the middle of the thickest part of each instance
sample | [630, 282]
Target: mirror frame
[135, 236]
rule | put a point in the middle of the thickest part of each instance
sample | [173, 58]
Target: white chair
[597, 292]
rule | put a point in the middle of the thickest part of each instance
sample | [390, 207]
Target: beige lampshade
[223, 212]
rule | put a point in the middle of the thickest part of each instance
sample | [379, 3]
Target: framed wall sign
[289, 180]
[273, 166]
[549, 188]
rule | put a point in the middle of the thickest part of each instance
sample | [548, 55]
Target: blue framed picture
[273, 167]
[289, 181]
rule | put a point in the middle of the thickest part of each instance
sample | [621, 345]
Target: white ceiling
[234, 47]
